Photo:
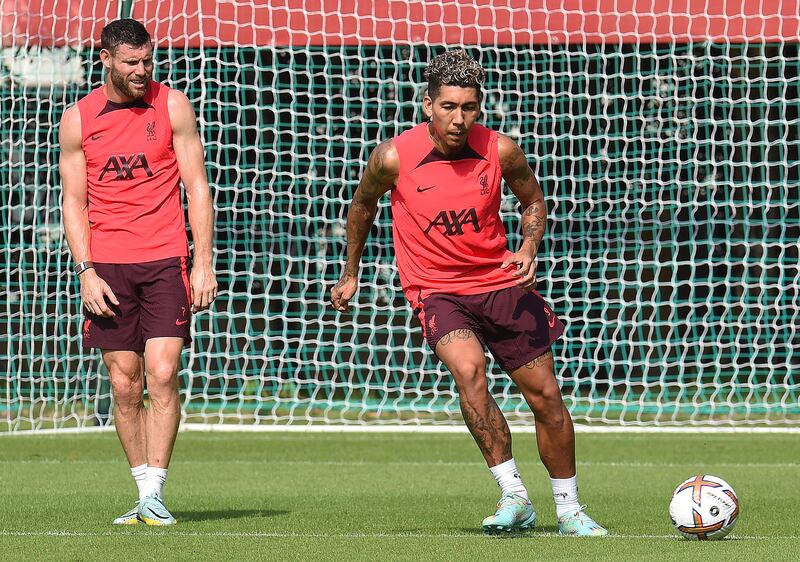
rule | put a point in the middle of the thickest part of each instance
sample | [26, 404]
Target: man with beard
[125, 148]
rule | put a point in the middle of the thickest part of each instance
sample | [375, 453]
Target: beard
[121, 83]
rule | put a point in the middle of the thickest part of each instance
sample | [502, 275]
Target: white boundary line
[387, 463]
[231, 428]
[291, 535]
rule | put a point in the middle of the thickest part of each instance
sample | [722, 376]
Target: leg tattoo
[490, 430]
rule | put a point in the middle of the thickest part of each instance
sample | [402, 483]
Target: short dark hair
[124, 32]
[454, 68]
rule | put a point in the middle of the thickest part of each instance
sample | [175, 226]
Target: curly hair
[454, 68]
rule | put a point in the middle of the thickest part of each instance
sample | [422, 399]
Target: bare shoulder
[69, 131]
[181, 112]
[510, 154]
[386, 158]
[381, 174]
[177, 98]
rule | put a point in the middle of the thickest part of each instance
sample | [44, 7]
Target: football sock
[508, 478]
[565, 494]
[138, 473]
[154, 482]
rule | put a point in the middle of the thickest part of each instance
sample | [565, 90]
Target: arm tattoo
[534, 221]
[520, 179]
[375, 181]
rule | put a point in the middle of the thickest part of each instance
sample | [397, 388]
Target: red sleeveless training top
[448, 235]
[135, 208]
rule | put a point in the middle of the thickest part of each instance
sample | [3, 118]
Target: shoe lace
[511, 499]
[579, 516]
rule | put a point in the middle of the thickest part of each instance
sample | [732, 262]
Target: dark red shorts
[515, 325]
[153, 303]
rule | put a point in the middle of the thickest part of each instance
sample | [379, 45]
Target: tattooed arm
[380, 176]
[523, 184]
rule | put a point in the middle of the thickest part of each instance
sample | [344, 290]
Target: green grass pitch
[373, 496]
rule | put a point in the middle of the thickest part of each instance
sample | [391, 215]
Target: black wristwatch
[83, 266]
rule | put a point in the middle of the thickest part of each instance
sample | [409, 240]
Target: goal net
[666, 143]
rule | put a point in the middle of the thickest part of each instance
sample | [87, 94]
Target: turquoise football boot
[153, 511]
[130, 517]
[514, 513]
[580, 525]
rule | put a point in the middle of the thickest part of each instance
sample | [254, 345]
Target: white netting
[669, 162]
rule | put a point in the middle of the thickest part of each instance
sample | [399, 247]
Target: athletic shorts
[517, 326]
[153, 303]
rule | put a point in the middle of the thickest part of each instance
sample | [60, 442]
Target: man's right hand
[343, 292]
[94, 292]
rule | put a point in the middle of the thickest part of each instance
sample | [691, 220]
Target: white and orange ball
[704, 507]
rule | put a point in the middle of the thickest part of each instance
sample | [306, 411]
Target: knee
[471, 380]
[162, 378]
[548, 407]
[127, 388]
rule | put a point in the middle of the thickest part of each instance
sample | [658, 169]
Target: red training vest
[135, 208]
[448, 235]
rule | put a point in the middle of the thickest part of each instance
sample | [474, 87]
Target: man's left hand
[204, 287]
[526, 269]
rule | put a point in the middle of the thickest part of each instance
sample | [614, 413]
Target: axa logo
[453, 222]
[123, 167]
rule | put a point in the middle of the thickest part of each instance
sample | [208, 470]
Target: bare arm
[72, 167]
[380, 176]
[191, 165]
[523, 184]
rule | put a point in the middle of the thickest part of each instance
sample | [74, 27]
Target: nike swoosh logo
[97, 137]
[162, 517]
[180, 322]
[421, 189]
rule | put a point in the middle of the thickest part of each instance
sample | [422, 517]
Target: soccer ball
[704, 507]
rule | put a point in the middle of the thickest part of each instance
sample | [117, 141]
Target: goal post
[665, 141]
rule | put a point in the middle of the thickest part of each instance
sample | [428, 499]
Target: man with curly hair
[467, 289]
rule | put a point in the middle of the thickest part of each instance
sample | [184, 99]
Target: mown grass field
[362, 496]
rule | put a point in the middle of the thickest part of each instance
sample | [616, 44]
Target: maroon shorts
[515, 325]
[153, 303]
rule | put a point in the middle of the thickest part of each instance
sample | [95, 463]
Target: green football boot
[579, 524]
[514, 513]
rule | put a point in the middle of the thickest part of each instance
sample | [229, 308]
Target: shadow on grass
[212, 515]
[531, 534]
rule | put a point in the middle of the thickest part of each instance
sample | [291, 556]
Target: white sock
[508, 479]
[138, 473]
[154, 482]
[565, 494]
